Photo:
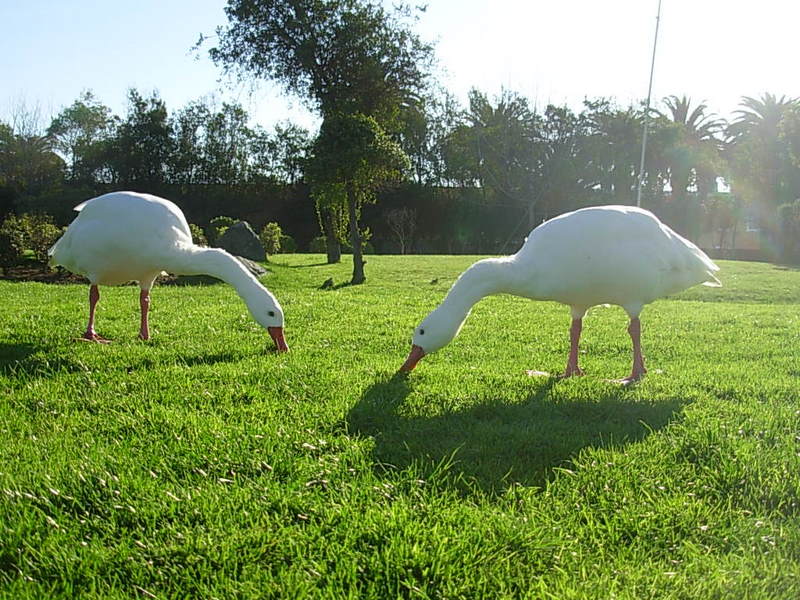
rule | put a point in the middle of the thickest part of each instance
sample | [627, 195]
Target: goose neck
[218, 263]
[484, 278]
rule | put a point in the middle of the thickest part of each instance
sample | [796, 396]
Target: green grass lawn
[202, 464]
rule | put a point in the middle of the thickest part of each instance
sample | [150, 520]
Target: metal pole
[647, 111]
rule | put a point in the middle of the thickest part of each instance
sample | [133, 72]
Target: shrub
[12, 241]
[198, 237]
[36, 233]
[288, 245]
[218, 226]
[317, 245]
[270, 236]
[42, 234]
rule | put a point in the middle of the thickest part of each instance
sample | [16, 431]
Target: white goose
[127, 236]
[599, 255]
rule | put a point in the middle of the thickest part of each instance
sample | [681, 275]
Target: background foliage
[478, 177]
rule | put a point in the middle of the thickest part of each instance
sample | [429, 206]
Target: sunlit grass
[202, 464]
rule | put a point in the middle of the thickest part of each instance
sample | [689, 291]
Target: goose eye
[271, 313]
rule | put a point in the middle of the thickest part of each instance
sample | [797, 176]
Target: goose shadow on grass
[146, 364]
[30, 360]
[494, 444]
[39, 362]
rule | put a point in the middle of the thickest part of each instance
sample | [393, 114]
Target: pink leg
[144, 305]
[91, 335]
[574, 338]
[638, 370]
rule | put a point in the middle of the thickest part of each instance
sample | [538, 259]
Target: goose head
[268, 313]
[436, 331]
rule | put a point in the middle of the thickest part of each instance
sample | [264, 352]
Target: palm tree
[28, 162]
[760, 117]
[694, 157]
[758, 155]
[700, 140]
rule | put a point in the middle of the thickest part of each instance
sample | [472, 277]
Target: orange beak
[413, 358]
[277, 337]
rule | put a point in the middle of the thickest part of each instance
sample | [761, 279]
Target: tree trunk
[332, 246]
[355, 237]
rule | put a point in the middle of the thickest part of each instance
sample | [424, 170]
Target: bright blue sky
[551, 51]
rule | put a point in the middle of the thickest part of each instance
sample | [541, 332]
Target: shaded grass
[202, 464]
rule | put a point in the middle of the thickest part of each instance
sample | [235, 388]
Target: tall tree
[227, 145]
[351, 159]
[567, 173]
[341, 56]
[344, 57]
[288, 146]
[141, 149]
[211, 144]
[187, 163]
[497, 147]
[425, 125]
[79, 133]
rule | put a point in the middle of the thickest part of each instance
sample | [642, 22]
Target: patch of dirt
[48, 275]
[45, 274]
[40, 274]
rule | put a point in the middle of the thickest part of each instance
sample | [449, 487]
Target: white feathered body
[599, 255]
[619, 255]
[121, 237]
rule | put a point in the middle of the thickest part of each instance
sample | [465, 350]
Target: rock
[256, 269]
[241, 240]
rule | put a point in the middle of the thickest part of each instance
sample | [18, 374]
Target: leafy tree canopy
[80, 126]
[343, 56]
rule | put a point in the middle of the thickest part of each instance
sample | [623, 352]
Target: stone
[241, 240]
[255, 268]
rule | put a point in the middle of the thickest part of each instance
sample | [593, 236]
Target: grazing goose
[599, 255]
[127, 236]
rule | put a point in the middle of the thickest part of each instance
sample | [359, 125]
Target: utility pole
[647, 111]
